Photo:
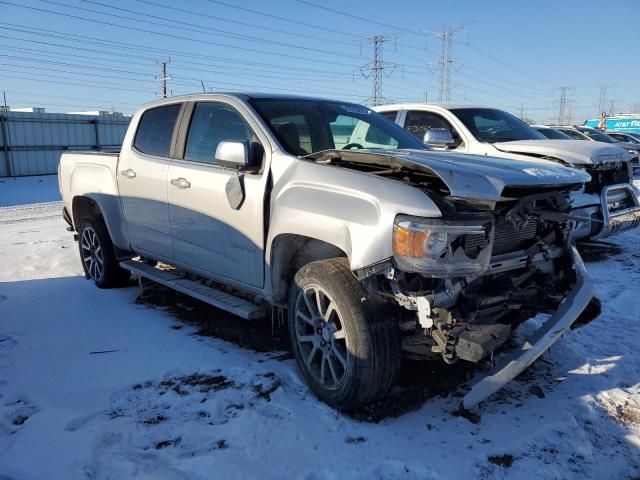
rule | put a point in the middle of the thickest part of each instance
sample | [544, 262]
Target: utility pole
[522, 111]
[4, 97]
[376, 68]
[602, 100]
[164, 76]
[446, 60]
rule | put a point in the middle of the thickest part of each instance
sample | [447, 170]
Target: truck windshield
[305, 126]
[490, 126]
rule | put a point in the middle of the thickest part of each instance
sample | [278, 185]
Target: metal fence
[31, 143]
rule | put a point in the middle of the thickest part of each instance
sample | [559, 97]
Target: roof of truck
[419, 105]
[238, 95]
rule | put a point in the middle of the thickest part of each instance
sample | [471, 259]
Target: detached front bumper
[618, 210]
[516, 361]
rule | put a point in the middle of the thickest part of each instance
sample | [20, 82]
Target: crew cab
[609, 202]
[375, 248]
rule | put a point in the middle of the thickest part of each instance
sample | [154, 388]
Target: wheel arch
[91, 205]
[289, 253]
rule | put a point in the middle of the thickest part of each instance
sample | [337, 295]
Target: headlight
[443, 248]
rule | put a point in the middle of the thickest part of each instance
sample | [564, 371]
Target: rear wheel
[345, 342]
[98, 255]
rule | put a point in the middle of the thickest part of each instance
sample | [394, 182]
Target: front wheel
[346, 343]
[98, 255]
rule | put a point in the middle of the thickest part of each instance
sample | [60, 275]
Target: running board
[225, 301]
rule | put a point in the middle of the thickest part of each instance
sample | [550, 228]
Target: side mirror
[439, 137]
[233, 154]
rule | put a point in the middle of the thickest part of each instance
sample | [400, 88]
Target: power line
[154, 51]
[510, 82]
[192, 27]
[350, 15]
[502, 62]
[165, 34]
[252, 71]
[289, 20]
[376, 68]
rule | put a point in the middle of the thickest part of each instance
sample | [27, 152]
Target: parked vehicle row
[375, 245]
[607, 204]
[633, 138]
[593, 135]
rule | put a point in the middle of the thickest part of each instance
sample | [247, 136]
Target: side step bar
[223, 300]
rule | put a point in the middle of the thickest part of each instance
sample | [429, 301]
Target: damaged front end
[463, 283]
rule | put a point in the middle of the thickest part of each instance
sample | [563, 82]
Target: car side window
[573, 134]
[391, 115]
[155, 130]
[418, 122]
[210, 124]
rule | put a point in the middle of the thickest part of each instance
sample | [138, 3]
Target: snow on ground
[94, 385]
[25, 190]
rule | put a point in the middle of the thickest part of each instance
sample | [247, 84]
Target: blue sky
[100, 54]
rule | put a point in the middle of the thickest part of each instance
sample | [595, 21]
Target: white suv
[608, 204]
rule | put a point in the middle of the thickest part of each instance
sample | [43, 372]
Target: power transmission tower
[612, 107]
[376, 68]
[562, 105]
[602, 100]
[446, 61]
[164, 76]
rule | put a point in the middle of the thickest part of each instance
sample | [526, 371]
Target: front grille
[606, 174]
[506, 239]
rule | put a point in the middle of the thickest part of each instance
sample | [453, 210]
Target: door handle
[128, 173]
[180, 182]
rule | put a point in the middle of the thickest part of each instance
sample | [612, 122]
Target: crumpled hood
[473, 176]
[573, 152]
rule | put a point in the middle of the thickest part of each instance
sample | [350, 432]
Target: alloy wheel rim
[92, 255]
[321, 337]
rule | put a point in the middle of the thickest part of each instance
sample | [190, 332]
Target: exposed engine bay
[488, 267]
[524, 270]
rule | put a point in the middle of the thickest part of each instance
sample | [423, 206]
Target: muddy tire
[346, 343]
[97, 254]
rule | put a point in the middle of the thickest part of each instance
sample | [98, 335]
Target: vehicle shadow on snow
[417, 382]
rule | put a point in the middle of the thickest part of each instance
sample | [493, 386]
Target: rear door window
[155, 130]
[391, 115]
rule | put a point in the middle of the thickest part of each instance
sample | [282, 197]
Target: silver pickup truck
[255, 203]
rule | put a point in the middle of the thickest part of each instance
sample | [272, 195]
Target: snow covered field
[97, 385]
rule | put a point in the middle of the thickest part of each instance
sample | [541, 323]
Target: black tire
[96, 248]
[371, 338]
